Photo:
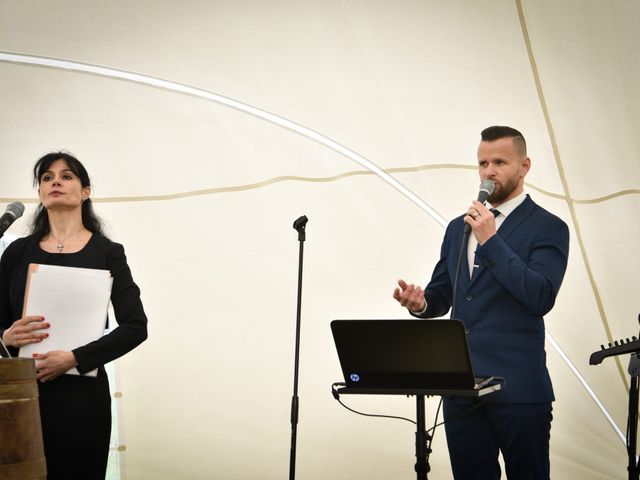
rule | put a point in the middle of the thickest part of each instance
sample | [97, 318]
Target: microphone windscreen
[16, 209]
[486, 189]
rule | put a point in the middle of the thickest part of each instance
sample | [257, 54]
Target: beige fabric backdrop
[198, 192]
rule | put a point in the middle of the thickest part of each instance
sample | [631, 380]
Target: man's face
[502, 162]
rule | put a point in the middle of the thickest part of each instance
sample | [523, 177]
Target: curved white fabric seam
[565, 186]
[285, 123]
[230, 102]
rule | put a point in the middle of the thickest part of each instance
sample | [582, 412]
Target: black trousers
[477, 431]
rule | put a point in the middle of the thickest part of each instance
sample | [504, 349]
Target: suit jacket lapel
[516, 217]
[509, 225]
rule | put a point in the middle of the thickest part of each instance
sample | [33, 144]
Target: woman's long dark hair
[40, 223]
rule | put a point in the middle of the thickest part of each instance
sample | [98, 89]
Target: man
[521, 255]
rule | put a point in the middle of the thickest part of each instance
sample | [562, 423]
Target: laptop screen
[422, 354]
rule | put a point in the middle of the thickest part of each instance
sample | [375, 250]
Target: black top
[99, 253]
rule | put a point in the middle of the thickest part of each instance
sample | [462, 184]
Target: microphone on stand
[14, 212]
[486, 189]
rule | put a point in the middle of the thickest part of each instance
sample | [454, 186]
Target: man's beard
[499, 195]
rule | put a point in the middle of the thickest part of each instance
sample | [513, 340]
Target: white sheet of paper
[74, 301]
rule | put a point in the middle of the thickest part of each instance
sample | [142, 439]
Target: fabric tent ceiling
[203, 195]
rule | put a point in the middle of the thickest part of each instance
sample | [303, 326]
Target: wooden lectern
[21, 448]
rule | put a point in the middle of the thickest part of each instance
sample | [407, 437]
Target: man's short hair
[497, 132]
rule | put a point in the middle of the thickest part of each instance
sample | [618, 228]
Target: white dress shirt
[505, 209]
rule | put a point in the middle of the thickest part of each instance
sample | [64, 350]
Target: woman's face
[60, 188]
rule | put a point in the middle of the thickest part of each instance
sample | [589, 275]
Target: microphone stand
[4, 351]
[298, 225]
[620, 348]
[632, 421]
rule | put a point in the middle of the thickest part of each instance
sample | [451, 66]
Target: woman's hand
[51, 365]
[25, 331]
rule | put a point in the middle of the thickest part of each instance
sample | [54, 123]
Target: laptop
[405, 356]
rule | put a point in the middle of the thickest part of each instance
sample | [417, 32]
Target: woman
[75, 409]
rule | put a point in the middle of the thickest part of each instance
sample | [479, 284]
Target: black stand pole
[422, 452]
[298, 225]
[632, 430]
[622, 347]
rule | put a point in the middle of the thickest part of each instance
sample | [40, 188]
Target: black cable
[336, 395]
[466, 412]
[433, 429]
[465, 241]
[430, 432]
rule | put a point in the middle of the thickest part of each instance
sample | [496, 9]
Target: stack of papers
[73, 300]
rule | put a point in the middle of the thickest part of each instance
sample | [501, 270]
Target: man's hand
[410, 296]
[482, 221]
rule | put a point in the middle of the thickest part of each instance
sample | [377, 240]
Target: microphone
[14, 212]
[486, 189]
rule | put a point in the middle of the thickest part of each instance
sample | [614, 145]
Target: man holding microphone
[516, 257]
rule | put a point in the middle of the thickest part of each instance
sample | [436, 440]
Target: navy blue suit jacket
[519, 275]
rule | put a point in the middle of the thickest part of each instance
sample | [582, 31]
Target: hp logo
[354, 377]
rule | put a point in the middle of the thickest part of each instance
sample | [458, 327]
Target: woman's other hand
[51, 365]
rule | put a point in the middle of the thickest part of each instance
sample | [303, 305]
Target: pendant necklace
[60, 244]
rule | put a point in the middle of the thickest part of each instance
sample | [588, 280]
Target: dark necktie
[476, 262]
